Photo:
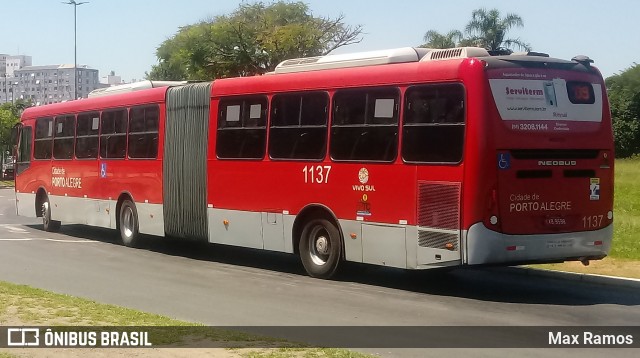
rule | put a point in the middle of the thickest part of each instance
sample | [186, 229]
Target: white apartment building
[12, 63]
[44, 84]
[48, 84]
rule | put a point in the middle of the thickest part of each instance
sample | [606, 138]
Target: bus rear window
[299, 126]
[365, 124]
[580, 92]
[113, 134]
[433, 124]
[87, 127]
[143, 132]
[64, 132]
[44, 138]
[242, 128]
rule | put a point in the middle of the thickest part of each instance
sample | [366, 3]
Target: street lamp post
[75, 45]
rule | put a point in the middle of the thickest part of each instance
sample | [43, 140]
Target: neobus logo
[557, 163]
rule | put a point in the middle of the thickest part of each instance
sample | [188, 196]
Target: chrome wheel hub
[322, 245]
[319, 246]
[45, 211]
[127, 222]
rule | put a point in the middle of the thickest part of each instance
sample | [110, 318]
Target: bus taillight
[492, 212]
[605, 164]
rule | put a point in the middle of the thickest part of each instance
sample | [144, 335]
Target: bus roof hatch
[359, 59]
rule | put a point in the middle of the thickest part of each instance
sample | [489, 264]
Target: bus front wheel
[48, 224]
[320, 248]
[129, 224]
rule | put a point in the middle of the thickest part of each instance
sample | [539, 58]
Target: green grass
[26, 305]
[34, 306]
[39, 306]
[626, 210]
[304, 353]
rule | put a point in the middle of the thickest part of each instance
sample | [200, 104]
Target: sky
[122, 35]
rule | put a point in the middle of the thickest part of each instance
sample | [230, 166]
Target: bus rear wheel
[320, 248]
[48, 224]
[129, 224]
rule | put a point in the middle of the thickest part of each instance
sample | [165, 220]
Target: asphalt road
[218, 285]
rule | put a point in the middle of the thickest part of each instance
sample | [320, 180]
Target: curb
[574, 276]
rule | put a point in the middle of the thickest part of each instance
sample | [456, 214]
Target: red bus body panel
[142, 179]
[486, 206]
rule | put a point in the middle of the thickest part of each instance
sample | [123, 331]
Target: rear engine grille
[439, 215]
[439, 205]
[438, 240]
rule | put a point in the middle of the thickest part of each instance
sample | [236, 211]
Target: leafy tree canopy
[434, 39]
[9, 116]
[486, 29]
[624, 100]
[251, 40]
[626, 81]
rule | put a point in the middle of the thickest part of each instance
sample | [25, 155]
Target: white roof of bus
[371, 58]
[130, 87]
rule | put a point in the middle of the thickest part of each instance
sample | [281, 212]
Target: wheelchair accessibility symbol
[103, 170]
[504, 161]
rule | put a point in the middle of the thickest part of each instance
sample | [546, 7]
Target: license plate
[556, 244]
[555, 221]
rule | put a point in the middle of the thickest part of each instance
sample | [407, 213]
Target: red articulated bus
[411, 158]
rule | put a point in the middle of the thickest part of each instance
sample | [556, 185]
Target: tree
[434, 39]
[486, 29]
[9, 116]
[624, 99]
[251, 40]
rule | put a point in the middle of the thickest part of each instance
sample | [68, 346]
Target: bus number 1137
[316, 174]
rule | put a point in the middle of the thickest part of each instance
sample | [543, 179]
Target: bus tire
[320, 248]
[48, 224]
[128, 218]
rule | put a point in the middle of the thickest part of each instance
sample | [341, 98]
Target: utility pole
[75, 44]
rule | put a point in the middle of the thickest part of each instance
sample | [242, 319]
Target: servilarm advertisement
[546, 100]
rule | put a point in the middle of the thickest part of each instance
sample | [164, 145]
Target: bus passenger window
[242, 130]
[143, 132]
[113, 134]
[44, 138]
[87, 129]
[433, 130]
[299, 126]
[64, 133]
[365, 125]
